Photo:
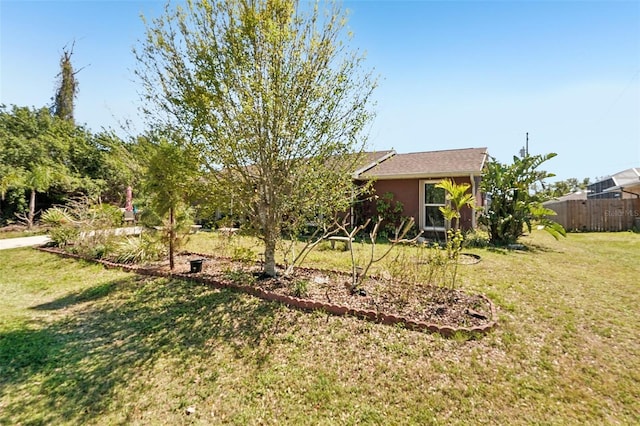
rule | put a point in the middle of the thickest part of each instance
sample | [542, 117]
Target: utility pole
[524, 151]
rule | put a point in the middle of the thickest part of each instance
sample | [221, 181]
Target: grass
[83, 345]
[22, 233]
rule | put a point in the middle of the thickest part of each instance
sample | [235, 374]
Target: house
[624, 184]
[411, 178]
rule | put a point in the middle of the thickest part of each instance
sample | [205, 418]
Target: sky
[452, 74]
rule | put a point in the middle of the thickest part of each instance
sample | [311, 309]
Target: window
[432, 199]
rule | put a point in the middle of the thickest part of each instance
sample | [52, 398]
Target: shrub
[55, 216]
[62, 236]
[243, 254]
[144, 248]
[476, 238]
[391, 211]
[300, 288]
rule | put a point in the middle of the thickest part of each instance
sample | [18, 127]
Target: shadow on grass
[70, 370]
[88, 295]
[522, 248]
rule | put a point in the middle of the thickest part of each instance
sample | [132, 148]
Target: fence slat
[598, 214]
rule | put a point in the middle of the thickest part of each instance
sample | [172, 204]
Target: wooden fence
[597, 215]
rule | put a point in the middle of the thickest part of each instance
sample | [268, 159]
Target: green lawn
[83, 345]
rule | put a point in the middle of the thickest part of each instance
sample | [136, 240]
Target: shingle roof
[453, 162]
[371, 159]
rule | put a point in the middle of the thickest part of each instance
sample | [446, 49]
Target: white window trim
[423, 225]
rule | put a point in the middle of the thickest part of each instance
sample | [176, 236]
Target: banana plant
[512, 203]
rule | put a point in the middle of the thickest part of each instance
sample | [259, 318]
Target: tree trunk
[171, 237]
[270, 233]
[270, 255]
[32, 208]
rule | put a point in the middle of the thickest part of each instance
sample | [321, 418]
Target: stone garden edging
[299, 303]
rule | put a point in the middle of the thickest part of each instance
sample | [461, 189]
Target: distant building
[624, 184]
[578, 195]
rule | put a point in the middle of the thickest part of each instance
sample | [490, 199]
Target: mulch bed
[422, 307]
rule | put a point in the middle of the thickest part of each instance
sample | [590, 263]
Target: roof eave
[357, 173]
[421, 175]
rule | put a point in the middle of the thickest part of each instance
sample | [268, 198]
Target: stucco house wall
[405, 176]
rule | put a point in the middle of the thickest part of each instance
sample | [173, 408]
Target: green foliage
[272, 98]
[564, 187]
[511, 202]
[541, 215]
[458, 197]
[83, 222]
[476, 238]
[55, 216]
[243, 254]
[171, 172]
[62, 230]
[10, 177]
[300, 288]
[40, 152]
[63, 235]
[171, 181]
[391, 211]
[144, 248]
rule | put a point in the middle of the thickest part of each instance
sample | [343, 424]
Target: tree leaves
[512, 202]
[269, 95]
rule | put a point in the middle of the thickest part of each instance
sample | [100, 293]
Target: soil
[424, 303]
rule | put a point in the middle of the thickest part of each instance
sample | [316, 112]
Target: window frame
[424, 205]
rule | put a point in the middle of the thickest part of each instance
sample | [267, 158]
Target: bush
[144, 248]
[243, 254]
[477, 239]
[300, 288]
[62, 236]
[55, 216]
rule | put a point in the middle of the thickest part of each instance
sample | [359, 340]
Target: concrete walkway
[10, 243]
[38, 240]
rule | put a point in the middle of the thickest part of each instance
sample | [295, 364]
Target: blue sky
[453, 74]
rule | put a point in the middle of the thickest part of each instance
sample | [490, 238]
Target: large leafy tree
[32, 150]
[512, 203]
[42, 153]
[10, 178]
[112, 164]
[272, 96]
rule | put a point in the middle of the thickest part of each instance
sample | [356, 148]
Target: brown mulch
[424, 303]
